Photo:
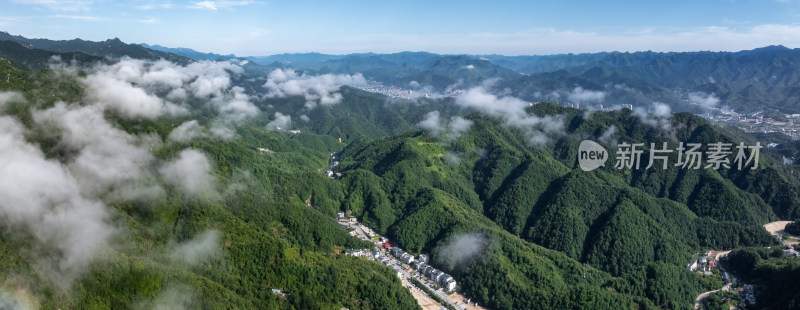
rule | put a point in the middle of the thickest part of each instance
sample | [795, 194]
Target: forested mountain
[616, 222]
[200, 184]
[111, 47]
[189, 53]
[24, 57]
[248, 231]
[436, 72]
[776, 275]
[762, 79]
[747, 81]
[751, 80]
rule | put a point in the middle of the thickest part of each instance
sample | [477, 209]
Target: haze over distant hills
[141, 178]
[187, 52]
[763, 79]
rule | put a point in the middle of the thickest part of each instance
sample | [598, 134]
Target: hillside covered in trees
[139, 183]
[413, 186]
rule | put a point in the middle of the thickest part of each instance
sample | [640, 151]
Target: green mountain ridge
[111, 48]
[606, 219]
[549, 235]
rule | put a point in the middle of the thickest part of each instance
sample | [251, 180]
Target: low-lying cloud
[185, 132]
[191, 172]
[42, 199]
[135, 88]
[512, 111]
[280, 122]
[707, 101]
[107, 161]
[436, 125]
[461, 249]
[174, 297]
[609, 137]
[7, 97]
[60, 201]
[580, 95]
[201, 249]
[316, 89]
[658, 116]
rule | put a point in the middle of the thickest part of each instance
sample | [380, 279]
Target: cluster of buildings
[362, 253]
[791, 251]
[394, 257]
[703, 264]
[756, 122]
[747, 294]
[399, 92]
[280, 293]
[421, 265]
[390, 91]
[333, 161]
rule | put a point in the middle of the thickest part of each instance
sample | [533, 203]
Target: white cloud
[61, 203]
[60, 5]
[322, 89]
[658, 117]
[222, 130]
[42, 198]
[186, 132]
[459, 125]
[134, 88]
[126, 99]
[8, 97]
[215, 5]
[155, 5]
[512, 111]
[108, 162]
[210, 5]
[236, 106]
[609, 137]
[433, 123]
[281, 122]
[175, 297]
[88, 18]
[461, 249]
[191, 172]
[580, 95]
[200, 249]
[705, 100]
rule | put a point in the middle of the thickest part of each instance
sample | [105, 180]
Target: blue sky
[251, 28]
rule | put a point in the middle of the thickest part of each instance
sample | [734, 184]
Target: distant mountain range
[184, 203]
[108, 48]
[765, 79]
[747, 81]
[24, 57]
[189, 53]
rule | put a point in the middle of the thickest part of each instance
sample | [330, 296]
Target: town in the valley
[412, 270]
[711, 263]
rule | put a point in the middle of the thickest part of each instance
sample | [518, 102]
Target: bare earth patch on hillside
[776, 229]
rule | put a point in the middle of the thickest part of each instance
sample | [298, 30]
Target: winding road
[726, 287]
[701, 297]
